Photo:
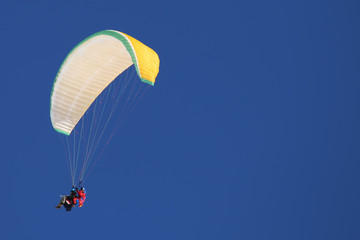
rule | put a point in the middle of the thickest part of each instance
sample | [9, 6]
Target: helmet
[83, 189]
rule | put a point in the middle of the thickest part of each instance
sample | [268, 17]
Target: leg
[61, 203]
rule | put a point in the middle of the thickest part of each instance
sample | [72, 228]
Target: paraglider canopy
[90, 67]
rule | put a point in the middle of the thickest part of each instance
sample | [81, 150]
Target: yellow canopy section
[148, 60]
[90, 67]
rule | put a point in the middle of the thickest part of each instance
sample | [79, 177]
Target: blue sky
[251, 129]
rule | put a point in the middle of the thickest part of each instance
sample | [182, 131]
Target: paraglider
[81, 196]
[76, 196]
[98, 85]
[67, 201]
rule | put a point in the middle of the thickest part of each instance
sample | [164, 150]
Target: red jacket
[81, 198]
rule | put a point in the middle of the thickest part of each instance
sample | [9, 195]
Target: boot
[58, 206]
